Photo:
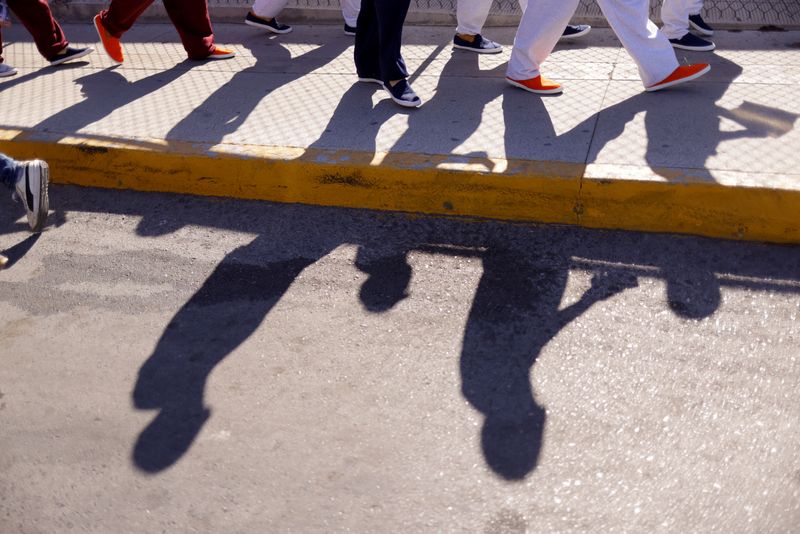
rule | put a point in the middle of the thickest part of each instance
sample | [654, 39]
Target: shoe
[370, 79]
[70, 54]
[403, 94]
[349, 30]
[479, 44]
[270, 25]
[684, 73]
[692, 42]
[697, 23]
[7, 70]
[220, 53]
[110, 43]
[31, 189]
[573, 31]
[539, 85]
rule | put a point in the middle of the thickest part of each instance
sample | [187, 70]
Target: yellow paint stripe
[549, 192]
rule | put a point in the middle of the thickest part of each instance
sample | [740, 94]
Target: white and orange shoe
[110, 43]
[221, 53]
[684, 73]
[539, 85]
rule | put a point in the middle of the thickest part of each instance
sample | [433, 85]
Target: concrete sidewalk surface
[286, 121]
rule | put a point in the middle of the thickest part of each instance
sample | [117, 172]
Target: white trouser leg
[350, 9]
[268, 9]
[471, 15]
[651, 51]
[542, 24]
[675, 15]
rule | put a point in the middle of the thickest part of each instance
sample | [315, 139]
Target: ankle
[466, 37]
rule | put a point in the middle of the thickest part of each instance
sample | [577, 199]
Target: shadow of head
[511, 446]
[693, 294]
[387, 284]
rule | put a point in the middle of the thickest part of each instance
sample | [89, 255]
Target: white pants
[543, 23]
[472, 14]
[675, 14]
[268, 9]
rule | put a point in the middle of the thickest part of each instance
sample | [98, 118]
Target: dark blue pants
[378, 36]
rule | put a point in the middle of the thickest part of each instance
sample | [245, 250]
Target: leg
[391, 14]
[675, 15]
[191, 19]
[268, 9]
[541, 26]
[366, 43]
[471, 16]
[37, 18]
[8, 171]
[30, 180]
[121, 14]
[350, 9]
[651, 51]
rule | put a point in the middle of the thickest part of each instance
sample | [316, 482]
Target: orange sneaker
[539, 85]
[110, 43]
[684, 73]
[221, 53]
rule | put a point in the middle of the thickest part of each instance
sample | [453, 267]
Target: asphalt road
[180, 364]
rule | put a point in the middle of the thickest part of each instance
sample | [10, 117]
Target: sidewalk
[285, 121]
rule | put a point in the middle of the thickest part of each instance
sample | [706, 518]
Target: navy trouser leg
[379, 35]
[8, 171]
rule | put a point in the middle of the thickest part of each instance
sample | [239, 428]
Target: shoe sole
[707, 48]
[97, 23]
[7, 73]
[266, 27]
[73, 57]
[213, 57]
[479, 50]
[574, 35]
[679, 81]
[44, 199]
[535, 91]
[371, 80]
[352, 34]
[700, 30]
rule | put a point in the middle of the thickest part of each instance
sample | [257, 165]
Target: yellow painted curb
[548, 192]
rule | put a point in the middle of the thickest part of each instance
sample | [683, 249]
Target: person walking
[379, 33]
[681, 15]
[29, 180]
[471, 16]
[50, 40]
[190, 18]
[264, 12]
[540, 29]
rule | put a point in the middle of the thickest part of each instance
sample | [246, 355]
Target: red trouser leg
[121, 14]
[36, 16]
[190, 18]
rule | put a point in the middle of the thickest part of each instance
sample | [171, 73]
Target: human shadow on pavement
[227, 108]
[521, 302]
[673, 137]
[15, 253]
[106, 91]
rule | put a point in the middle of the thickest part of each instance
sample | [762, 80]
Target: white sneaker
[31, 189]
[7, 70]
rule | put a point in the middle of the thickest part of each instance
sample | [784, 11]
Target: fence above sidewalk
[738, 14]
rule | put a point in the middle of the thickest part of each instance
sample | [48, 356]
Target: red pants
[190, 18]
[36, 16]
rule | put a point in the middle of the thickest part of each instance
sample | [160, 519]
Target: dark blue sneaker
[271, 25]
[692, 42]
[403, 94]
[70, 54]
[479, 44]
[697, 23]
[573, 31]
[349, 30]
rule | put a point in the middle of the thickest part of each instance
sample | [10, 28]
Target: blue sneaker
[70, 54]
[573, 31]
[271, 25]
[697, 23]
[349, 30]
[403, 94]
[692, 42]
[479, 44]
